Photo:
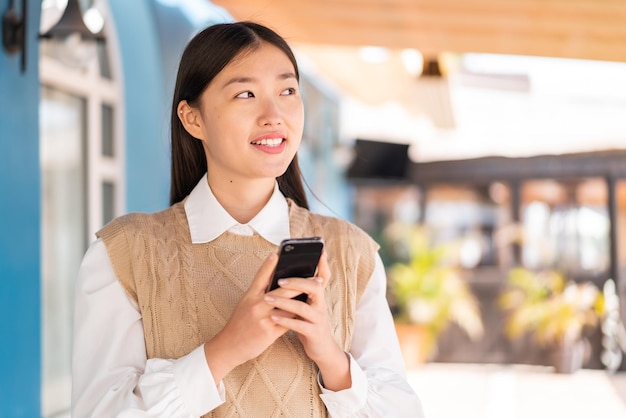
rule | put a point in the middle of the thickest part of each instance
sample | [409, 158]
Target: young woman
[172, 315]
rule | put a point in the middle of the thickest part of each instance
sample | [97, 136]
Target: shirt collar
[208, 220]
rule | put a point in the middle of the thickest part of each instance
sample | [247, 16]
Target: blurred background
[481, 143]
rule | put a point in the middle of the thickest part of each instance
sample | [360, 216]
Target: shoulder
[328, 227]
[130, 238]
[137, 223]
[340, 227]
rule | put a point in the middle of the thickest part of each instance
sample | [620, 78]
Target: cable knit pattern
[186, 292]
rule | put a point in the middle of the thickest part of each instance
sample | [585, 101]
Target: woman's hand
[249, 330]
[309, 320]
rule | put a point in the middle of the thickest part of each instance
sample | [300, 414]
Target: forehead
[263, 56]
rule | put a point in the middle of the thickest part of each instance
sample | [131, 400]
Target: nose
[270, 113]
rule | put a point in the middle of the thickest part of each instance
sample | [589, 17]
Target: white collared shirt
[113, 377]
[272, 222]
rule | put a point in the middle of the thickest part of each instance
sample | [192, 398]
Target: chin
[276, 169]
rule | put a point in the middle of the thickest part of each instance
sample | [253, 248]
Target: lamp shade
[71, 23]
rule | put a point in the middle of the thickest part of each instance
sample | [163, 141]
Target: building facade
[83, 140]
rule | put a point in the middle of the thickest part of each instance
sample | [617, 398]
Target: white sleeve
[111, 375]
[379, 383]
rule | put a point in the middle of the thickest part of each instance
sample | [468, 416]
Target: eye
[288, 92]
[245, 95]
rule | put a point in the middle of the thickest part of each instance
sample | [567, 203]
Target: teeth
[274, 142]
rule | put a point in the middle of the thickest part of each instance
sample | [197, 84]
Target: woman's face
[250, 117]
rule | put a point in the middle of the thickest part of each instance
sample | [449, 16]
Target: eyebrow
[283, 76]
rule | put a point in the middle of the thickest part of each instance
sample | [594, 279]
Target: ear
[191, 120]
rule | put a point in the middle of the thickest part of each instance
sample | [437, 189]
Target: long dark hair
[204, 57]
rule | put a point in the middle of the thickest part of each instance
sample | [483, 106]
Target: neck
[242, 200]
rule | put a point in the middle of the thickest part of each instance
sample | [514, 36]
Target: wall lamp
[13, 31]
[69, 25]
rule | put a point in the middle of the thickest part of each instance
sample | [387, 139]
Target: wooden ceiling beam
[525, 13]
[599, 47]
[569, 29]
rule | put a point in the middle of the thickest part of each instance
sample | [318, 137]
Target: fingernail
[275, 318]
[282, 282]
[319, 279]
[269, 298]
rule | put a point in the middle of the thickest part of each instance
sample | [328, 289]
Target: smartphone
[297, 257]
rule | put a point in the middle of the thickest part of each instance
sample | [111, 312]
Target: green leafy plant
[428, 287]
[553, 310]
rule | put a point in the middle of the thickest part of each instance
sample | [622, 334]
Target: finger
[323, 269]
[285, 292]
[283, 314]
[263, 275]
[292, 306]
[295, 286]
[297, 325]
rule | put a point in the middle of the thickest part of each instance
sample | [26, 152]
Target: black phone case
[297, 257]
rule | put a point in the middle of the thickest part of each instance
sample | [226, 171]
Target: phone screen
[297, 257]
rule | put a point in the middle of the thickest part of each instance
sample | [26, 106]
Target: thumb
[263, 275]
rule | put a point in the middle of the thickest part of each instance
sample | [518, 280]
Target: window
[82, 155]
[566, 226]
[62, 146]
[468, 215]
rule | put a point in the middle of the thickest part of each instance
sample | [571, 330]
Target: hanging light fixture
[433, 93]
[70, 32]
[71, 41]
[71, 24]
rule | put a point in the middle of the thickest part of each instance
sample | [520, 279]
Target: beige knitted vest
[186, 293]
